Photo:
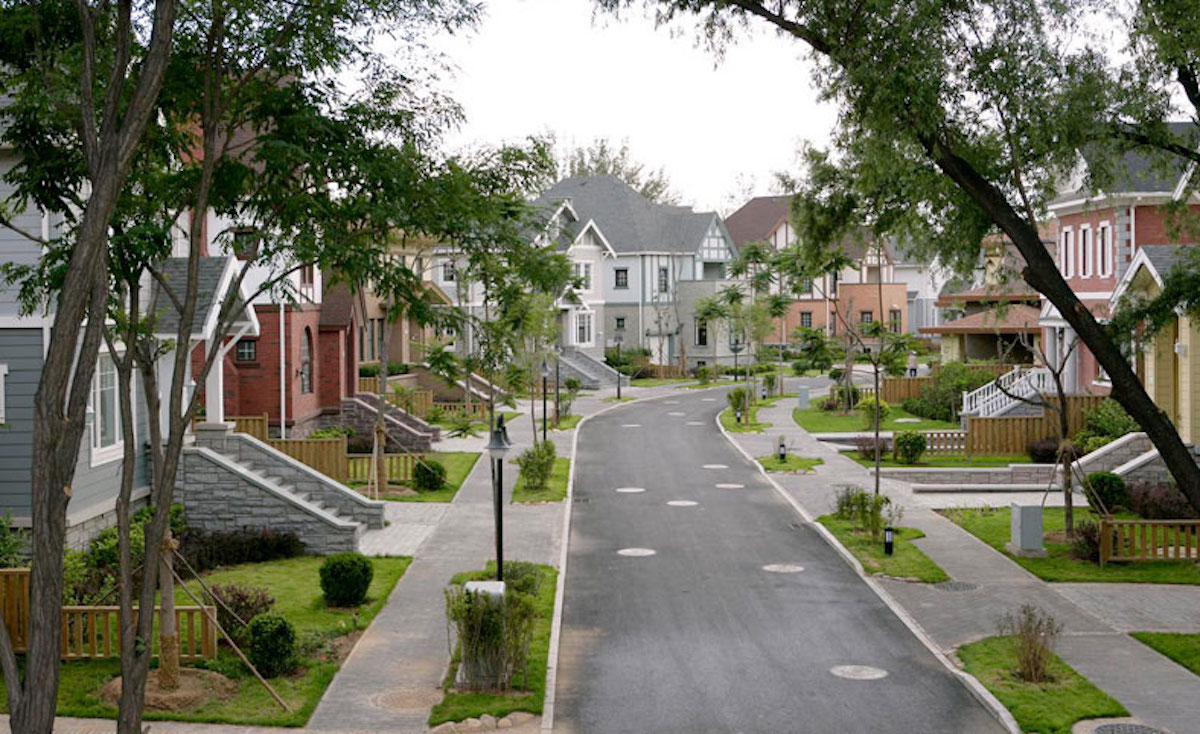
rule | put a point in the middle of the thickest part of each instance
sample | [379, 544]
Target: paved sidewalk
[1095, 617]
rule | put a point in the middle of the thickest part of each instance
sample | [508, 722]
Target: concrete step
[970, 488]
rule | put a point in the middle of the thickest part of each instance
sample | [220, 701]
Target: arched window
[306, 350]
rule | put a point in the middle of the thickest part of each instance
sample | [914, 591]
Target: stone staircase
[405, 431]
[229, 481]
[591, 372]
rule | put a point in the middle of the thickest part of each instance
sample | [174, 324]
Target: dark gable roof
[1145, 172]
[337, 307]
[1165, 257]
[758, 219]
[630, 222]
[208, 297]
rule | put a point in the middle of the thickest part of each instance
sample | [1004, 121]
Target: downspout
[282, 374]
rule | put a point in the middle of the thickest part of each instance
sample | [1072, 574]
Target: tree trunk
[168, 632]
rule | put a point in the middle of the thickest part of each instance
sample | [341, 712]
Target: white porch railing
[1005, 391]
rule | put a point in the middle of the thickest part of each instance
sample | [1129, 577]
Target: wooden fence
[1013, 434]
[252, 425]
[896, 390]
[478, 410]
[326, 455]
[399, 466]
[945, 443]
[1149, 540]
[95, 631]
[417, 403]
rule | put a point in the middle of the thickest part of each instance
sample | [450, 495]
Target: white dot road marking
[631, 425]
[731, 486]
[670, 402]
[697, 423]
[716, 466]
[636, 552]
[783, 568]
[631, 490]
[682, 503]
[709, 400]
[858, 672]
[677, 414]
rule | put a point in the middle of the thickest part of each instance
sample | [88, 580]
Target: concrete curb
[982, 694]
[548, 699]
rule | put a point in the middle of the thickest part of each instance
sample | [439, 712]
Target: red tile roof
[758, 219]
[1014, 319]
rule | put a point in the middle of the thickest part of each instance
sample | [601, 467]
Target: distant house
[866, 291]
[643, 267]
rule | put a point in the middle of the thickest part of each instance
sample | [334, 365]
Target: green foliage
[494, 636]
[332, 432]
[908, 446]
[1109, 419]
[872, 410]
[942, 399]
[704, 374]
[1044, 451]
[461, 426]
[603, 157]
[272, 645]
[537, 463]
[865, 510]
[1085, 546]
[429, 475]
[237, 605]
[345, 578]
[12, 543]
[738, 399]
[1034, 633]
[573, 384]
[1108, 489]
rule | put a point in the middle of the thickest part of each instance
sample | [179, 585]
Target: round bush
[272, 645]
[1109, 489]
[868, 408]
[1044, 451]
[345, 578]
[908, 446]
[1095, 442]
[429, 476]
[836, 374]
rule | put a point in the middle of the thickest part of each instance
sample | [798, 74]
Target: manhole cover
[582, 500]
[1126, 729]
[956, 586]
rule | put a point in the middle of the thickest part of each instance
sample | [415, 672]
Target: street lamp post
[736, 347]
[617, 339]
[497, 447]
[545, 415]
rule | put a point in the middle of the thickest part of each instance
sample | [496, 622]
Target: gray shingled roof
[630, 222]
[174, 272]
[1143, 171]
[1165, 257]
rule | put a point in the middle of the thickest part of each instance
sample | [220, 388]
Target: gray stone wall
[80, 534]
[405, 432]
[1013, 474]
[1123, 450]
[216, 498]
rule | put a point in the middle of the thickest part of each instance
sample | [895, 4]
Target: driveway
[699, 636]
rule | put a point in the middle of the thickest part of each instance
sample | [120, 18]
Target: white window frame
[806, 316]
[701, 328]
[617, 281]
[1104, 245]
[1087, 251]
[3, 373]
[449, 271]
[104, 454]
[1066, 254]
[591, 328]
[583, 271]
[658, 281]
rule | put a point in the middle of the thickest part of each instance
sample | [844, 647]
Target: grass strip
[907, 560]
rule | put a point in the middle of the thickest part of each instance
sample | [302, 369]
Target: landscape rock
[520, 717]
[470, 725]
[488, 721]
[505, 723]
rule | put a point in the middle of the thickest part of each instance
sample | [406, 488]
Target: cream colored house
[1169, 362]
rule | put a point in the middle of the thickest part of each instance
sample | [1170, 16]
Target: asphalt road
[698, 637]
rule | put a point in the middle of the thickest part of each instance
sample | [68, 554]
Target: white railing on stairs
[1006, 391]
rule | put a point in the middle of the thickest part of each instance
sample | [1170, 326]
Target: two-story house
[641, 267]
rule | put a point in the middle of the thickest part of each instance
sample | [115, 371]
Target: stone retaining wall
[1011, 474]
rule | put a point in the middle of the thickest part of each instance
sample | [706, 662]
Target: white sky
[538, 66]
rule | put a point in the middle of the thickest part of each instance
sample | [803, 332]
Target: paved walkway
[1095, 617]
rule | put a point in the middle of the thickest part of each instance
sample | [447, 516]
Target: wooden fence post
[1106, 540]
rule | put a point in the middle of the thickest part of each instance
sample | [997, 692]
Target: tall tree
[602, 157]
[959, 118]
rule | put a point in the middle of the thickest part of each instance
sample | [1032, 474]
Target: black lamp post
[617, 339]
[497, 447]
[782, 450]
[545, 415]
[557, 394]
[736, 347]
[889, 539]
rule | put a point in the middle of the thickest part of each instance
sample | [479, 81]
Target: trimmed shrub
[738, 399]
[941, 399]
[1093, 443]
[836, 374]
[370, 369]
[870, 408]
[345, 578]
[908, 446]
[429, 476]
[537, 463]
[1044, 451]
[494, 636]
[1159, 501]
[800, 366]
[332, 432]
[1108, 489]
[237, 605]
[272, 645]
[573, 383]
[837, 395]
[206, 550]
[704, 374]
[522, 577]
[869, 449]
[1109, 419]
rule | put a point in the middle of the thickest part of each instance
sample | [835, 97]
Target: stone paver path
[1095, 617]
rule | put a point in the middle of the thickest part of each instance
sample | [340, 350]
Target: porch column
[1071, 373]
[214, 392]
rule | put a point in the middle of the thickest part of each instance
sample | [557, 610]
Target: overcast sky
[538, 66]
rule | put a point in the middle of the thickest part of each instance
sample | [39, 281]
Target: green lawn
[295, 584]
[565, 423]
[957, 462]
[1051, 707]
[814, 420]
[714, 383]
[907, 561]
[749, 422]
[615, 399]
[793, 465]
[659, 381]
[992, 527]
[458, 465]
[480, 426]
[1182, 648]
[556, 488]
[458, 706]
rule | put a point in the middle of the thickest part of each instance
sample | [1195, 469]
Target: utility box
[1025, 532]
[802, 397]
[493, 589]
